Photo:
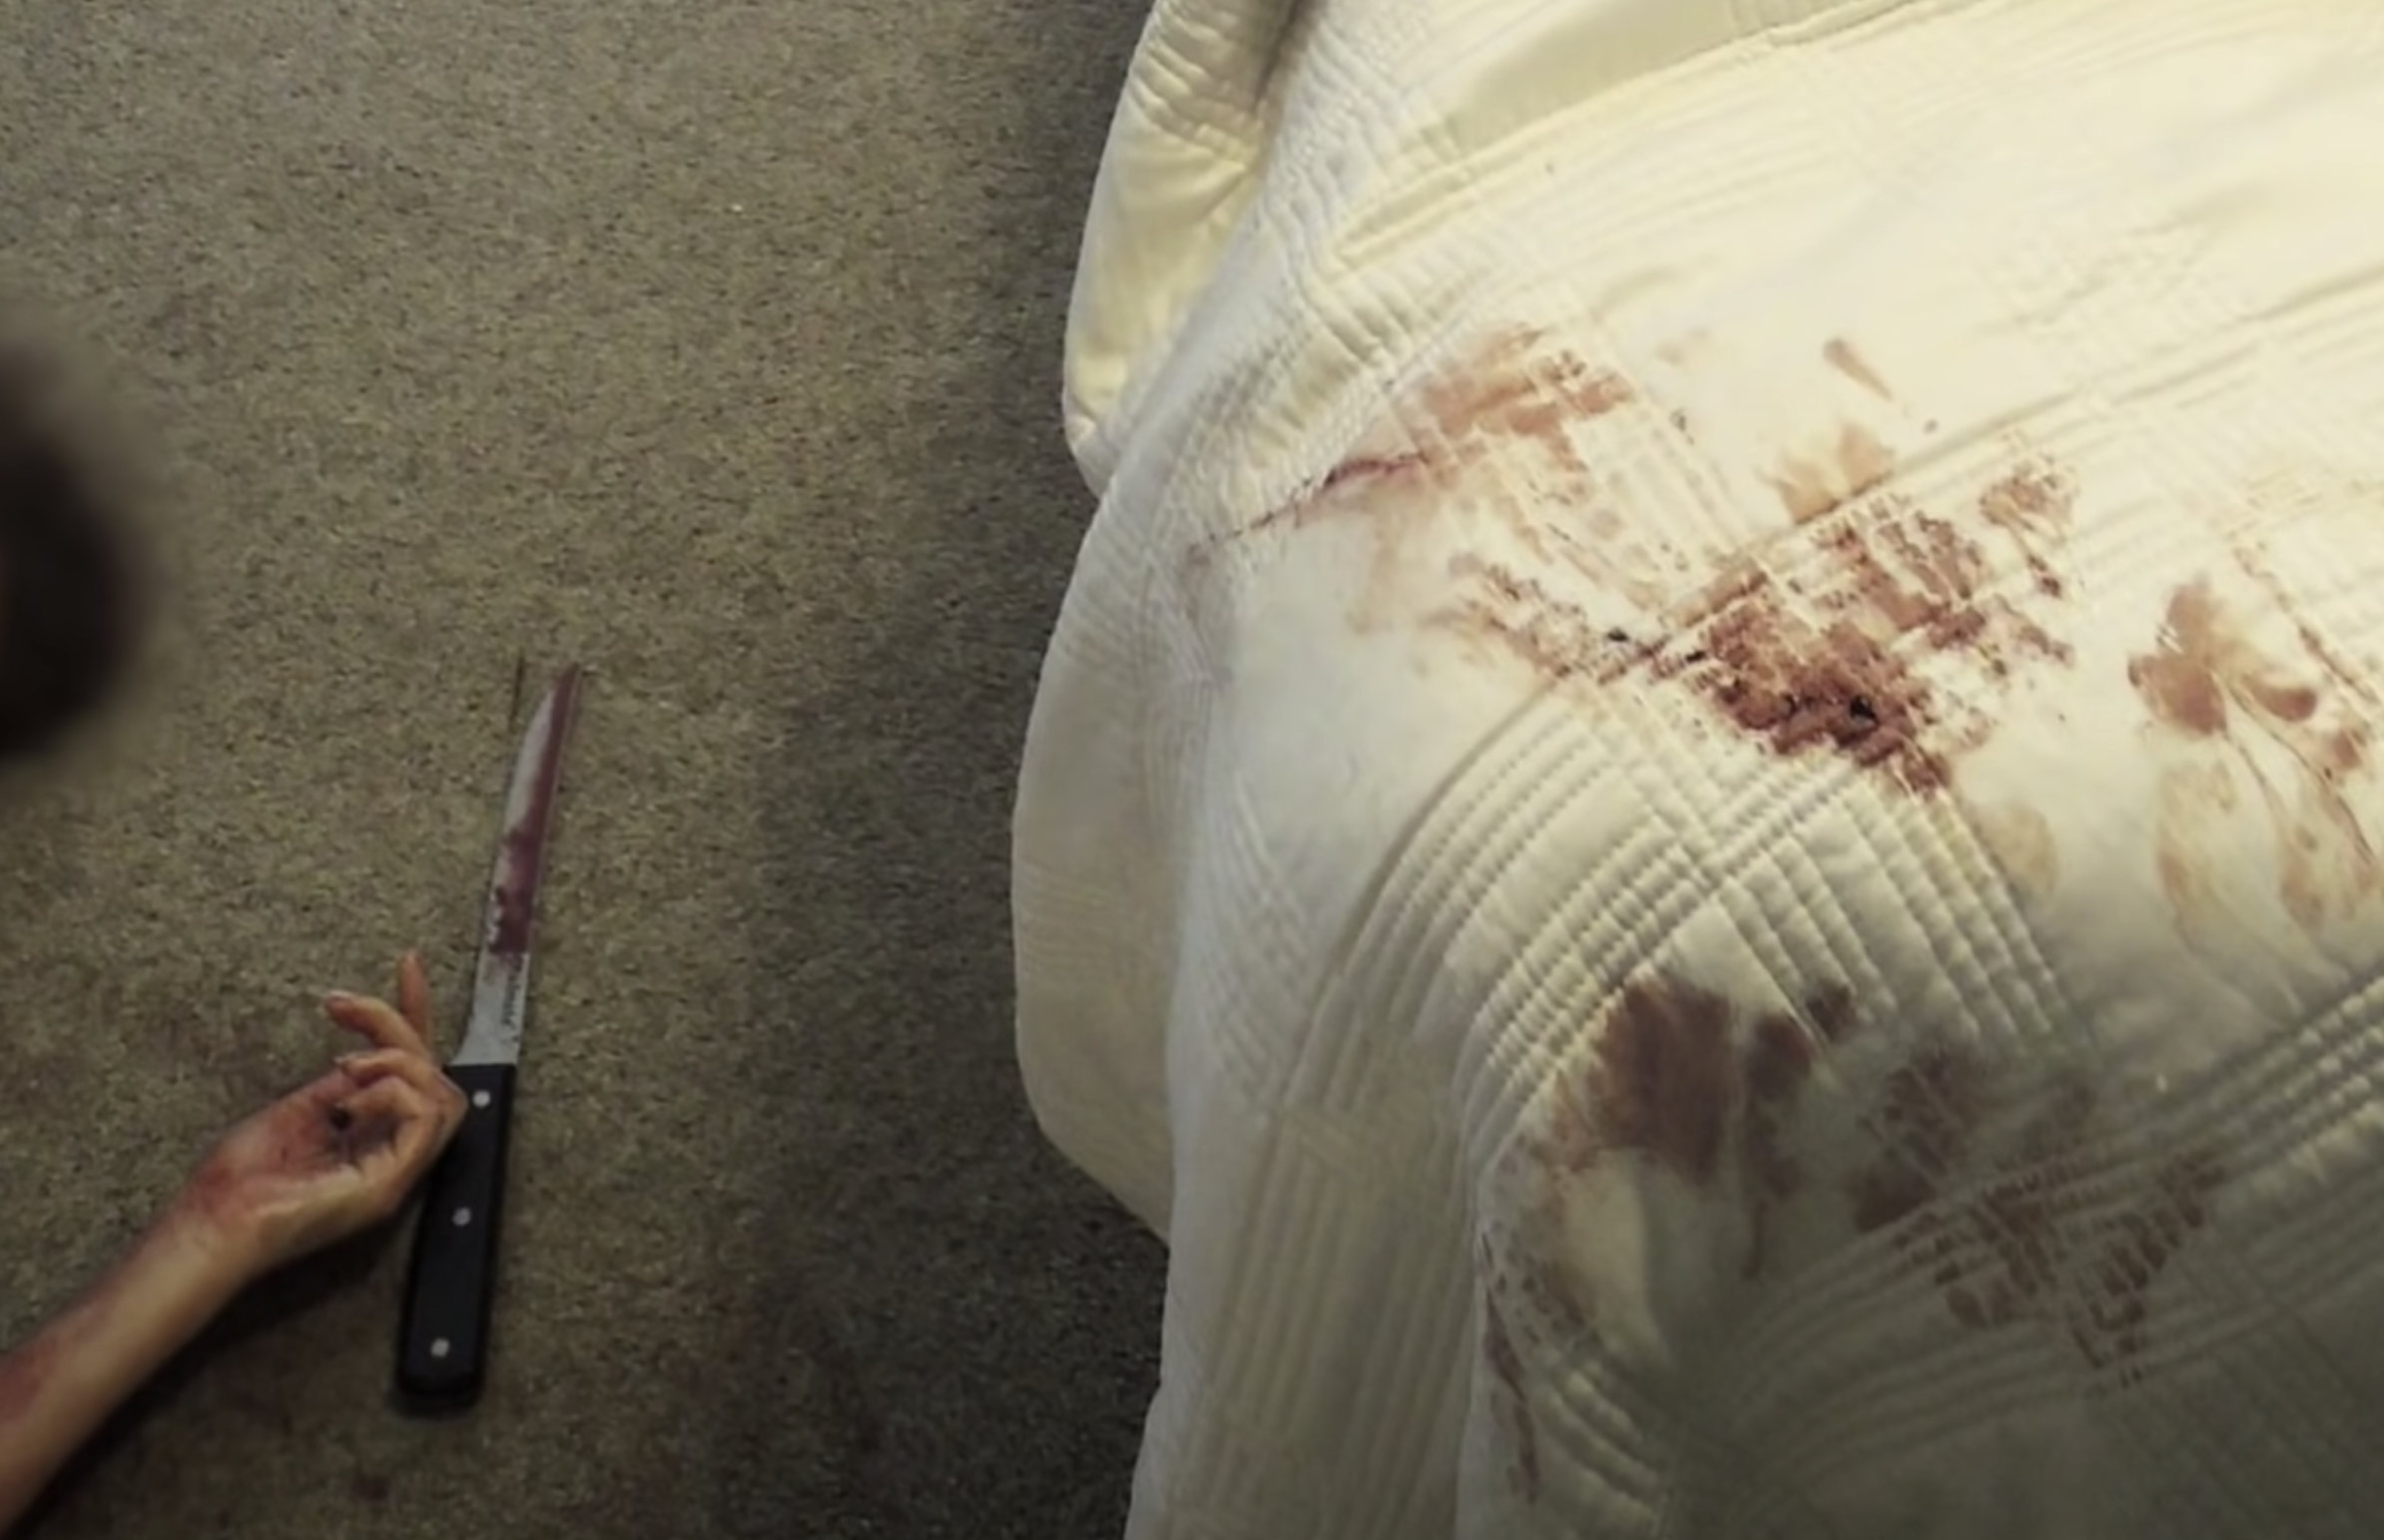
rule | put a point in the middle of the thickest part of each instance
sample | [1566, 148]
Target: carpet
[715, 345]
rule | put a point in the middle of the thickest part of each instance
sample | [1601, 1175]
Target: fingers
[413, 995]
[418, 1129]
[376, 1022]
[404, 1138]
[392, 1102]
[372, 1066]
[393, 1066]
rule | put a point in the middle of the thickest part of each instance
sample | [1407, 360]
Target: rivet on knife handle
[450, 1286]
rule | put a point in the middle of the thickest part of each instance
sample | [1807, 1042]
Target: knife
[443, 1341]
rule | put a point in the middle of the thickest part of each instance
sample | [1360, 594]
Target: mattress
[1702, 823]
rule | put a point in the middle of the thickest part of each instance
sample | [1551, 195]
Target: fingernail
[338, 997]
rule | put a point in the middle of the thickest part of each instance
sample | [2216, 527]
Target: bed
[1702, 823]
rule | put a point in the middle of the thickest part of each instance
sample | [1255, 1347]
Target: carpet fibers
[715, 345]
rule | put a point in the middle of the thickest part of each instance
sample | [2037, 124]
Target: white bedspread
[1703, 822]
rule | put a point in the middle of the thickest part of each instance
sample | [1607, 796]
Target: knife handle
[442, 1344]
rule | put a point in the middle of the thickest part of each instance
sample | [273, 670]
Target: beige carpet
[714, 344]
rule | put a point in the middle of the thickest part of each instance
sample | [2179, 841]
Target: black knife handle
[442, 1343]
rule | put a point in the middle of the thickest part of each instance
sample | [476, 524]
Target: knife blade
[443, 1332]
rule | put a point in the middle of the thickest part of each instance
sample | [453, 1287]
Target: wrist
[195, 1248]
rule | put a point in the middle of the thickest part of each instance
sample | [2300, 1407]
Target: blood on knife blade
[525, 841]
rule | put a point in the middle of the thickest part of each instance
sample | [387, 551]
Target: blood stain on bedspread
[1880, 629]
[1681, 1077]
[1664, 1079]
[1833, 660]
[1516, 403]
[1841, 355]
[1795, 683]
[1512, 1401]
[1811, 489]
[1682, 1080]
[1927, 1111]
[2032, 508]
[2036, 1220]
[1835, 653]
[2290, 721]
[2019, 1195]
[1779, 1060]
[1516, 394]
[1516, 390]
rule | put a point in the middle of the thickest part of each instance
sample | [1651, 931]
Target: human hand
[338, 1155]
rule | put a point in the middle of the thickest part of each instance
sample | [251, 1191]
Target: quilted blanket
[1703, 824]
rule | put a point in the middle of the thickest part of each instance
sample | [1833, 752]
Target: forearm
[57, 1389]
